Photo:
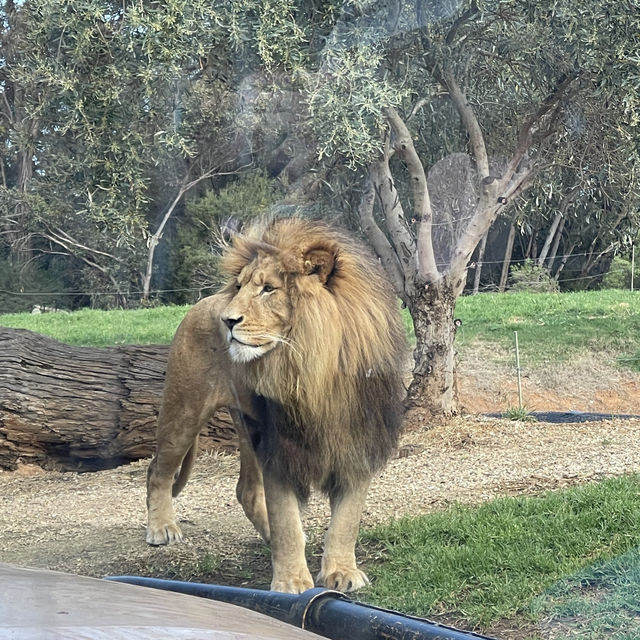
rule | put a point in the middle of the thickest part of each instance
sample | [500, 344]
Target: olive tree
[508, 84]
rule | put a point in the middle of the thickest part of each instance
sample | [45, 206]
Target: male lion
[305, 346]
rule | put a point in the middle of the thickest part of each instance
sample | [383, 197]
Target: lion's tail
[185, 469]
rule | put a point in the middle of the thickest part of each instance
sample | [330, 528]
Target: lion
[305, 346]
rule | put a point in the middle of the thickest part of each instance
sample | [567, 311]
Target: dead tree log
[83, 408]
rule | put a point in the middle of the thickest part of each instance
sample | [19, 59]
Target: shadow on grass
[601, 601]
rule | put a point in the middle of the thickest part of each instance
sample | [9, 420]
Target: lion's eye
[268, 288]
[238, 286]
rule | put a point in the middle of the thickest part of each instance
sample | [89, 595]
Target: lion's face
[257, 318]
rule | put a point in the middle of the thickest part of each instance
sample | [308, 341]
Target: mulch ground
[93, 523]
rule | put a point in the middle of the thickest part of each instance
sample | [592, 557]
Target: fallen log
[83, 408]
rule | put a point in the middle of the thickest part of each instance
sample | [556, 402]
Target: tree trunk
[155, 238]
[567, 254]
[508, 251]
[433, 386]
[556, 244]
[81, 408]
[531, 246]
[556, 228]
[478, 274]
[549, 239]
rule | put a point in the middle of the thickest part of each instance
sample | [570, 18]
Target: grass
[521, 414]
[95, 328]
[555, 326]
[567, 324]
[499, 560]
[601, 601]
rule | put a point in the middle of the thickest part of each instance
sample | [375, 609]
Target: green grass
[555, 326]
[567, 324]
[521, 414]
[601, 601]
[102, 328]
[497, 561]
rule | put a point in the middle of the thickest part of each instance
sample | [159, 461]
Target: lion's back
[199, 364]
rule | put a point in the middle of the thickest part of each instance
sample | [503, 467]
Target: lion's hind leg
[338, 569]
[250, 487]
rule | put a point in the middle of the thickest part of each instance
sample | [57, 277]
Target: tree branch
[515, 178]
[155, 238]
[403, 145]
[460, 21]
[385, 189]
[480, 222]
[379, 241]
[69, 246]
[526, 134]
[469, 121]
[62, 238]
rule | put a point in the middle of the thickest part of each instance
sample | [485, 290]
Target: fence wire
[135, 292]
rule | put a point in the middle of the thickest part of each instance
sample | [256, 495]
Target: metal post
[633, 263]
[515, 334]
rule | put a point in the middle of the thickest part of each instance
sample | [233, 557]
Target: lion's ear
[320, 261]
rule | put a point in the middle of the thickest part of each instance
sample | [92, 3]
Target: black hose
[558, 417]
[325, 612]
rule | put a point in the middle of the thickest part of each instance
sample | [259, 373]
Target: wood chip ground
[93, 523]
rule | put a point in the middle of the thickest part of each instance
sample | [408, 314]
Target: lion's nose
[232, 322]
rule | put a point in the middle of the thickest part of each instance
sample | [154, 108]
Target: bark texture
[508, 252]
[82, 408]
[433, 386]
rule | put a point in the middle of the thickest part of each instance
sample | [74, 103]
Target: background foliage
[112, 113]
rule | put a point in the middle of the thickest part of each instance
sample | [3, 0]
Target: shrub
[530, 277]
[619, 275]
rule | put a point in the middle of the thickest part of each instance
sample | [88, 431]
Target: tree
[112, 96]
[514, 73]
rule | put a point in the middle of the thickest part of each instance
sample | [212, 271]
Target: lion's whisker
[282, 340]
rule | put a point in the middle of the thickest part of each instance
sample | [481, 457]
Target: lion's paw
[345, 580]
[293, 583]
[164, 534]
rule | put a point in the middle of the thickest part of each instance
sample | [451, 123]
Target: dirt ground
[93, 524]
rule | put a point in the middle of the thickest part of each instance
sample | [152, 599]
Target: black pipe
[325, 612]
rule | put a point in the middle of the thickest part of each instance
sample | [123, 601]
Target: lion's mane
[329, 401]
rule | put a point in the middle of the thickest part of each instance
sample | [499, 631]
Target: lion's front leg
[168, 472]
[161, 522]
[338, 569]
[290, 571]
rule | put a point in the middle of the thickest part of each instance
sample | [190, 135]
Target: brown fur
[306, 346]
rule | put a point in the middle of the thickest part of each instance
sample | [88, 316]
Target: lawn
[551, 326]
[526, 557]
[555, 326]
[94, 328]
